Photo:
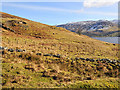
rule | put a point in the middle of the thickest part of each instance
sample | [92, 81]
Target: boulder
[87, 59]
[24, 50]
[110, 61]
[118, 61]
[19, 50]
[118, 65]
[115, 61]
[1, 48]
[11, 50]
[101, 59]
[3, 52]
[76, 58]
[58, 55]
[82, 58]
[92, 60]
[68, 58]
[22, 22]
[97, 60]
[47, 55]
[38, 53]
[5, 48]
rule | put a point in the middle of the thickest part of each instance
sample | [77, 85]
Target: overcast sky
[53, 13]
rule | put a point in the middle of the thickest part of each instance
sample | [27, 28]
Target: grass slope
[28, 70]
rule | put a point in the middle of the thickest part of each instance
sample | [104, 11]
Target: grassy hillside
[53, 56]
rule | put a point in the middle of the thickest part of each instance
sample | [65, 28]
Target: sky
[55, 13]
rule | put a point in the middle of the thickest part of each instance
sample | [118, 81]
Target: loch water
[108, 39]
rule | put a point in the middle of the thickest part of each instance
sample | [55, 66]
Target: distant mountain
[93, 28]
[116, 21]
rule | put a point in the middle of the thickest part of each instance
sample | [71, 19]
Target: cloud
[101, 13]
[98, 3]
[40, 8]
[31, 7]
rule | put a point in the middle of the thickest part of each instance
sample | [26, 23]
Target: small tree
[78, 31]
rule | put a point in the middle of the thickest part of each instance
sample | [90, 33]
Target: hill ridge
[93, 28]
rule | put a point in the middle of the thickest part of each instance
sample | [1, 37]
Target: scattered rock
[3, 52]
[18, 72]
[82, 58]
[118, 65]
[1, 48]
[38, 54]
[5, 48]
[92, 60]
[24, 50]
[76, 58]
[55, 77]
[14, 82]
[58, 55]
[89, 78]
[114, 44]
[19, 50]
[11, 50]
[22, 22]
[29, 68]
[47, 55]
[87, 59]
[118, 61]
